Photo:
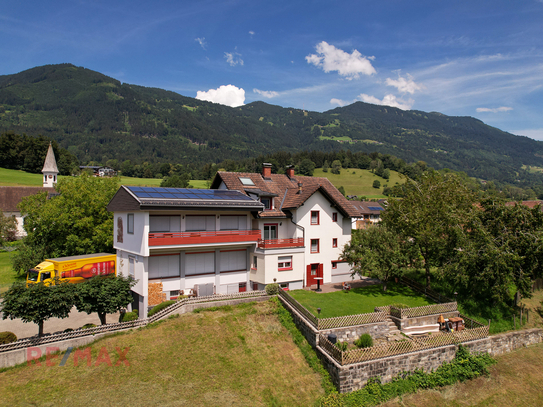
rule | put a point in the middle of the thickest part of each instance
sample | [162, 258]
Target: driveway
[53, 325]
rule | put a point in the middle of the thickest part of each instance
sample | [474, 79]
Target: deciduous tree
[104, 295]
[38, 302]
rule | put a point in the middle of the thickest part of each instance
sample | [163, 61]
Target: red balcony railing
[278, 243]
[219, 236]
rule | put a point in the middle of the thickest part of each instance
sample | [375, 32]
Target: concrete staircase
[394, 333]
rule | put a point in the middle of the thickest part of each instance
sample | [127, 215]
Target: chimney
[299, 188]
[266, 170]
[290, 171]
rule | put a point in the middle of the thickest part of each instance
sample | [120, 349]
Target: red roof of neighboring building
[10, 197]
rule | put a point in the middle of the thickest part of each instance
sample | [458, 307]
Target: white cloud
[330, 58]
[233, 58]
[388, 100]
[201, 41]
[536, 134]
[339, 102]
[266, 93]
[251, 33]
[228, 95]
[494, 110]
[405, 85]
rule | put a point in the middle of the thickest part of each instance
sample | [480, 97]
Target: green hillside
[359, 182]
[97, 118]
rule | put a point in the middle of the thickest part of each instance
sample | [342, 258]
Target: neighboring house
[368, 214]
[99, 171]
[529, 204]
[10, 197]
[248, 231]
[305, 223]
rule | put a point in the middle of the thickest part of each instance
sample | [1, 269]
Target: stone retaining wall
[425, 320]
[354, 377]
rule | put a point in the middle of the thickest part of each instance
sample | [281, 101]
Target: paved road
[74, 321]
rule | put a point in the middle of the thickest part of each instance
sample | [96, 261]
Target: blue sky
[462, 58]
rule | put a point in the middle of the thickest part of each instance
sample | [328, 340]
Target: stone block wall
[377, 330]
[509, 341]
[425, 320]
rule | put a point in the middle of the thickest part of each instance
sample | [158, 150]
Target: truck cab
[42, 272]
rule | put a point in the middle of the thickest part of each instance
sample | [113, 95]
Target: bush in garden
[365, 341]
[160, 307]
[7, 337]
[272, 289]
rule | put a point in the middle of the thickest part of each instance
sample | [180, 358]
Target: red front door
[313, 270]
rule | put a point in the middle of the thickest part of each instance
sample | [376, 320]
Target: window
[315, 217]
[284, 263]
[270, 231]
[267, 203]
[164, 223]
[163, 266]
[284, 286]
[233, 222]
[255, 263]
[334, 216]
[334, 242]
[130, 224]
[314, 245]
[196, 223]
[131, 266]
[199, 263]
[233, 260]
[246, 181]
[334, 264]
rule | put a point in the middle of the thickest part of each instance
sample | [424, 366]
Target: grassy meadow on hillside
[234, 356]
[359, 182]
[7, 274]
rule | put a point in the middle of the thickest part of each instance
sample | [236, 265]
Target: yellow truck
[74, 269]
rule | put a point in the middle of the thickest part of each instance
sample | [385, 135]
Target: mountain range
[98, 118]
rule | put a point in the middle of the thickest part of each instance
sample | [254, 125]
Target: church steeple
[50, 169]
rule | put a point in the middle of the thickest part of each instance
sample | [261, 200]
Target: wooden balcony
[280, 243]
[219, 236]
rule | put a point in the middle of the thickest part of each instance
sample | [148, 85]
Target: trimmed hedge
[272, 289]
[160, 307]
[130, 316]
[7, 337]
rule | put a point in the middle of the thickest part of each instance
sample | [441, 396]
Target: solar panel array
[375, 208]
[186, 193]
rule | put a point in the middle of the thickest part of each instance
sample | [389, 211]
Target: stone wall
[354, 376]
[377, 330]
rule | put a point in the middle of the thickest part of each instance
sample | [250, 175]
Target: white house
[249, 230]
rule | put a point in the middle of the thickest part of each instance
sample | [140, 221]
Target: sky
[482, 59]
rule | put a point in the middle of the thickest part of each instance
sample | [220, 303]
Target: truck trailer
[74, 269]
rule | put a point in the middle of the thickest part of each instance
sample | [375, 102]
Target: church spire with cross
[50, 169]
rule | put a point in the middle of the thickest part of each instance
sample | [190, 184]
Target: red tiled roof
[10, 197]
[529, 204]
[286, 189]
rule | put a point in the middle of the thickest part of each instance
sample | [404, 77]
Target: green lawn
[7, 275]
[359, 182]
[358, 300]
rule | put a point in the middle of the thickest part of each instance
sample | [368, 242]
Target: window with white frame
[284, 263]
[131, 266]
[164, 266]
[130, 224]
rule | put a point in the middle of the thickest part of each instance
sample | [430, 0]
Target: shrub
[365, 341]
[88, 326]
[7, 337]
[68, 330]
[376, 184]
[272, 289]
[130, 316]
[160, 307]
[342, 346]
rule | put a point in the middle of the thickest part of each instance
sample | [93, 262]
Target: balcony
[205, 237]
[280, 243]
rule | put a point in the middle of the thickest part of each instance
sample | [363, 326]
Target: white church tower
[50, 169]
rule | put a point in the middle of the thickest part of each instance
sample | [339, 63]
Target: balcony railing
[218, 236]
[279, 243]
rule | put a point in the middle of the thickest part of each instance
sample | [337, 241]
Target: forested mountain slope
[97, 118]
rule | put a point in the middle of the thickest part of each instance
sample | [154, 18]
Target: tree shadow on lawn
[393, 290]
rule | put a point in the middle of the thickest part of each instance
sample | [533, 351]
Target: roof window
[246, 181]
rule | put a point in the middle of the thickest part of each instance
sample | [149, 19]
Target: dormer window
[267, 203]
[246, 181]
